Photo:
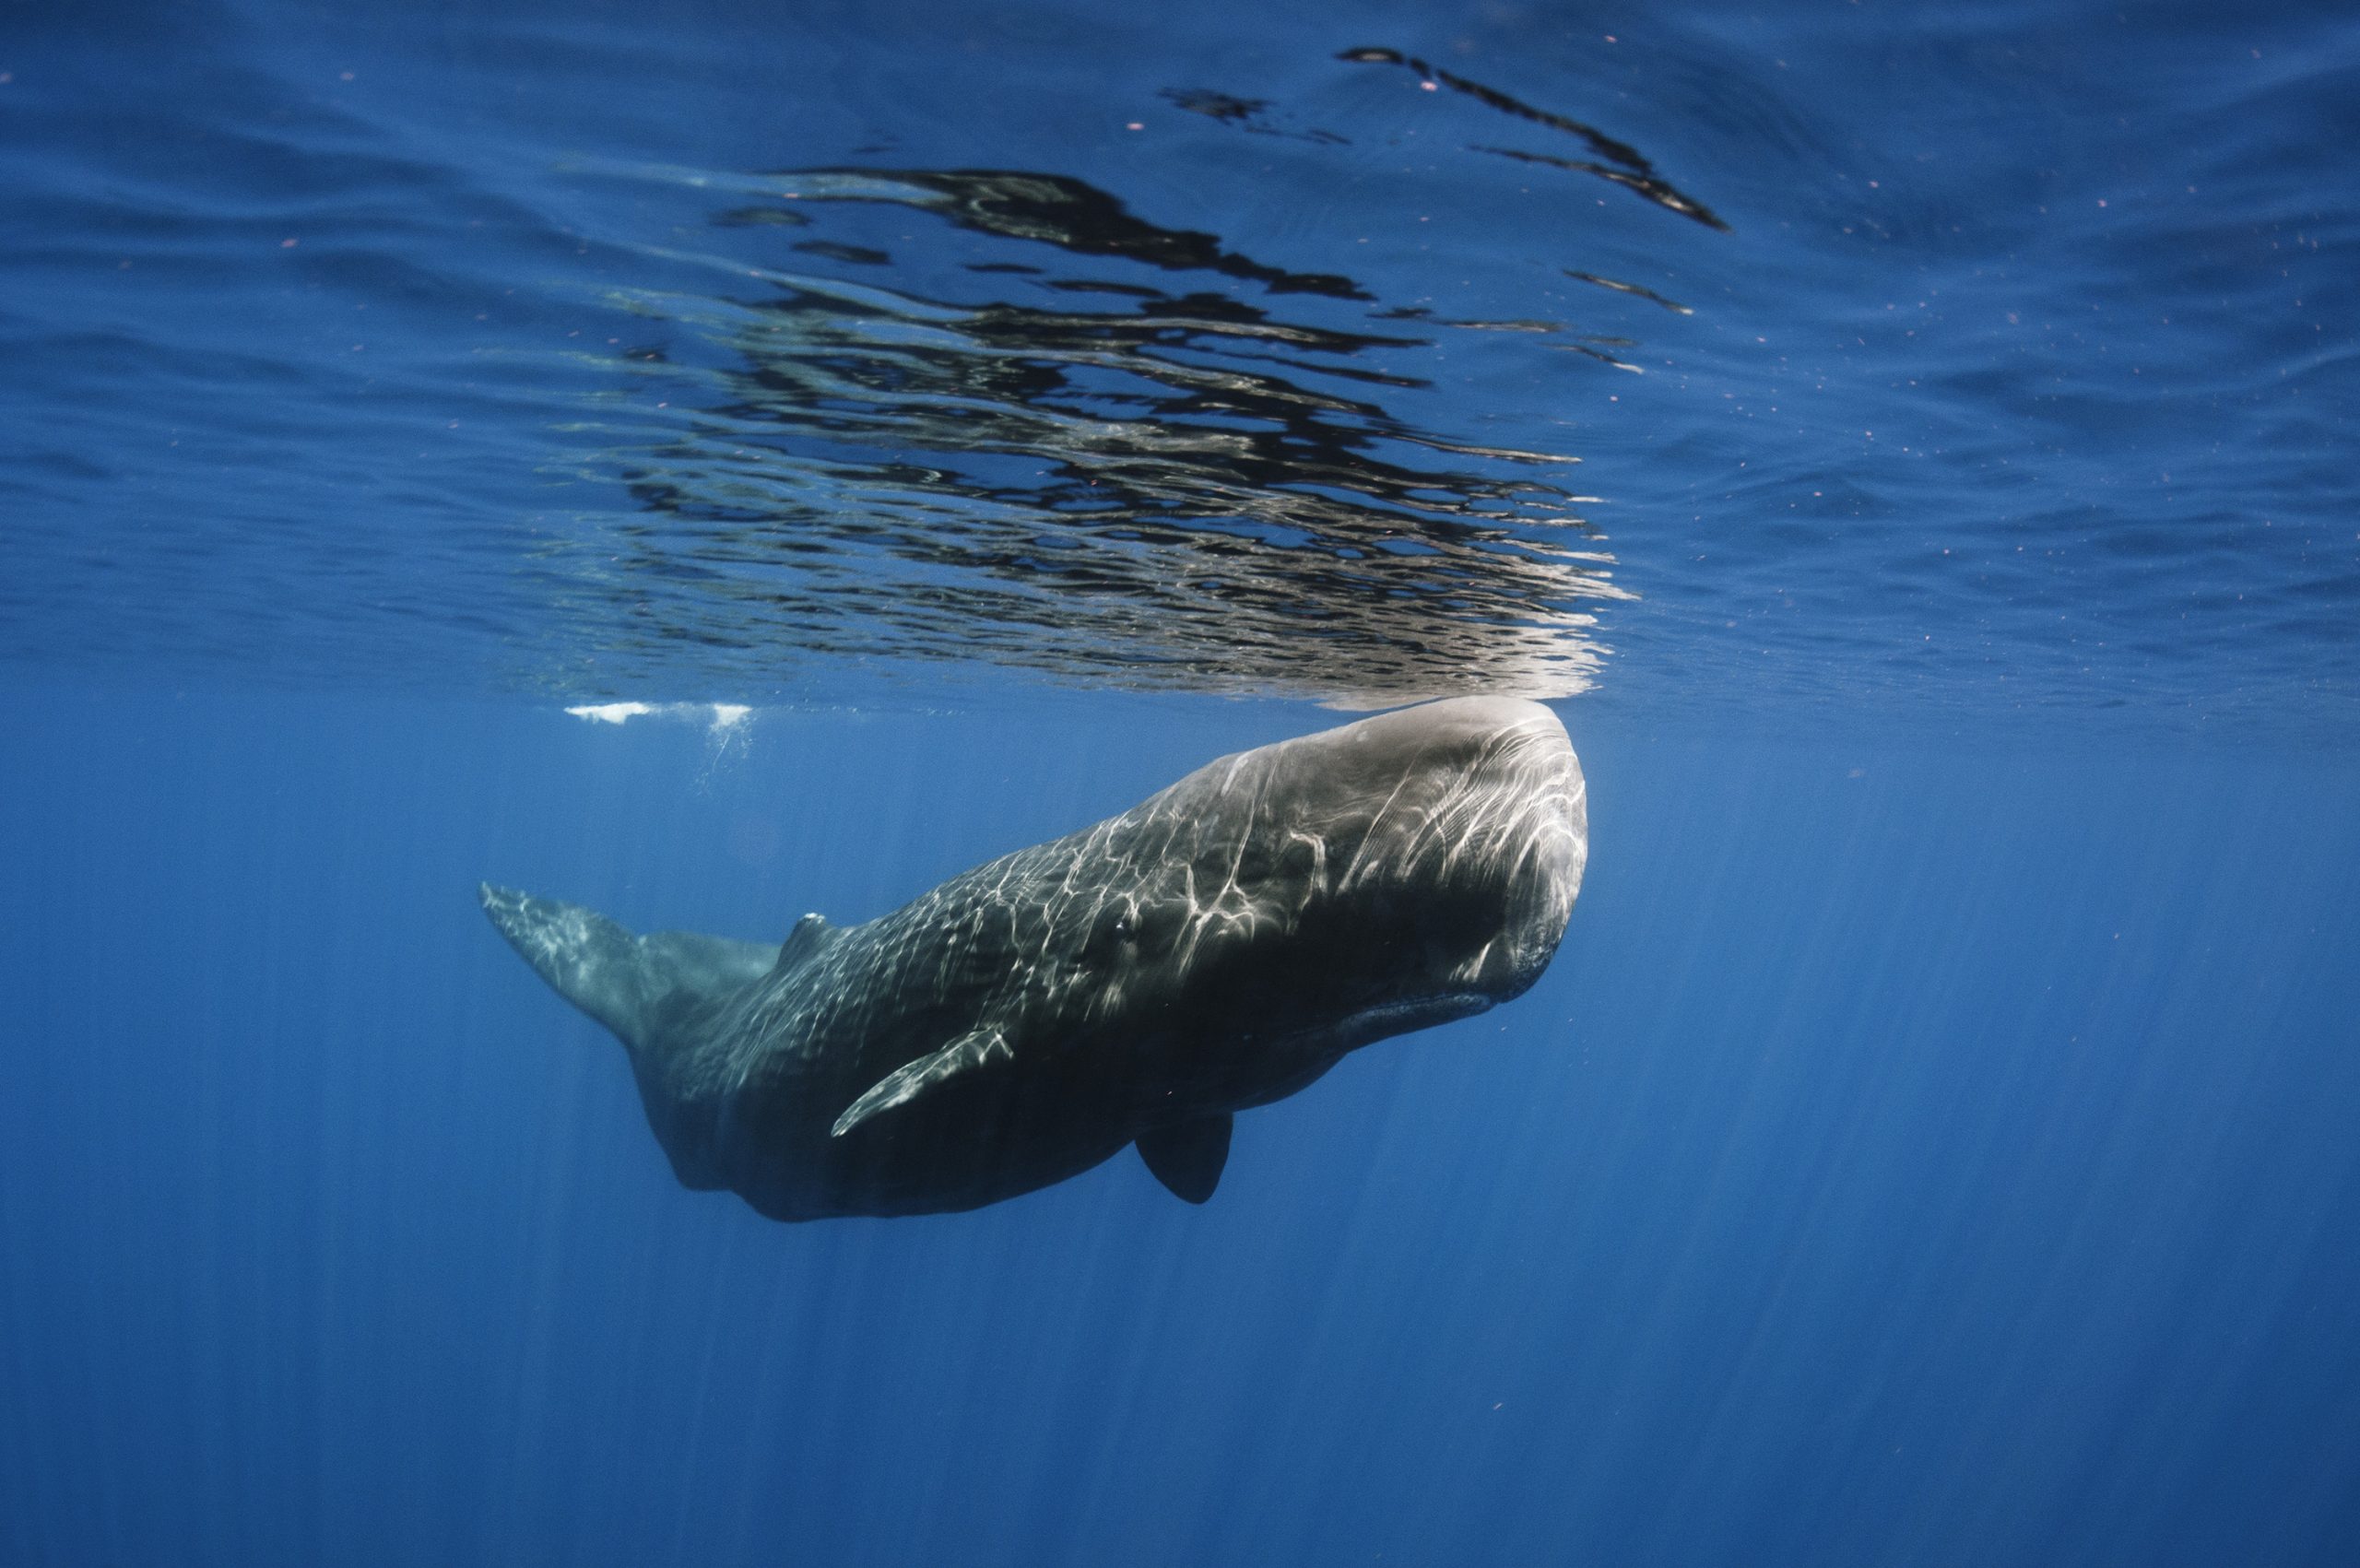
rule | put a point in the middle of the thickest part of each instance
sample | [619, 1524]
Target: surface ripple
[1995, 363]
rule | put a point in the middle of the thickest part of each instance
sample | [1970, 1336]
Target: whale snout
[1521, 830]
[1472, 826]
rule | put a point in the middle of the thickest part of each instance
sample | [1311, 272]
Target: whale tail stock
[640, 987]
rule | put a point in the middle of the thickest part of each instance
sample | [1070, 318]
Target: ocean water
[1911, 448]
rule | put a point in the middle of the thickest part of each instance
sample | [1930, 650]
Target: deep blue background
[1934, 1143]
[1934, 1155]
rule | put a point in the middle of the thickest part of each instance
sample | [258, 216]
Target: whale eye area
[1127, 931]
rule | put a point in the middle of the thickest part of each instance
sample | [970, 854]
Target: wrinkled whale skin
[1217, 947]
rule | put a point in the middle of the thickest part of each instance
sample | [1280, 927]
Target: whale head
[1316, 895]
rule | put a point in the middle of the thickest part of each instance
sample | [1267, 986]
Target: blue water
[1910, 446]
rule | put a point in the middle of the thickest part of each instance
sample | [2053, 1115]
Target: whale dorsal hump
[810, 934]
[1187, 1157]
[903, 1085]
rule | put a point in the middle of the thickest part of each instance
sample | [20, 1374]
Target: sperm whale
[1217, 947]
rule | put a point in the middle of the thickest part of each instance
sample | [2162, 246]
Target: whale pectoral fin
[1187, 1157]
[905, 1084]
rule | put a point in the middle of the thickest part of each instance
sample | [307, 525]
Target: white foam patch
[610, 713]
[721, 718]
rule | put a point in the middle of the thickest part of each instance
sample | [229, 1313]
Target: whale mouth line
[1393, 1017]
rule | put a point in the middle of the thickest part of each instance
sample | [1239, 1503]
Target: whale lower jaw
[1371, 1024]
[1424, 1012]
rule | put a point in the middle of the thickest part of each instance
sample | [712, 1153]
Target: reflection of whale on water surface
[1023, 423]
[1215, 947]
